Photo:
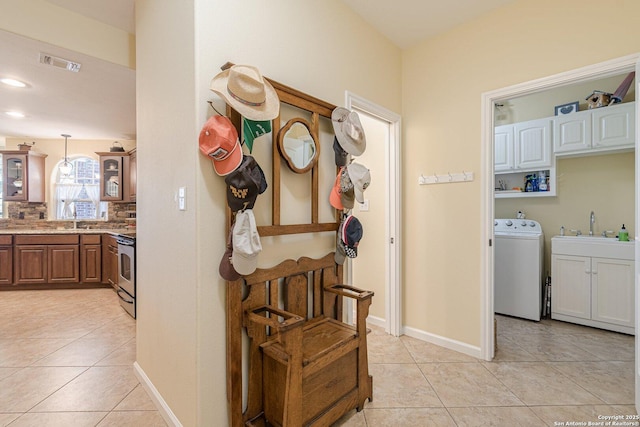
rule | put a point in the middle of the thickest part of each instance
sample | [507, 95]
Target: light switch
[182, 199]
[364, 207]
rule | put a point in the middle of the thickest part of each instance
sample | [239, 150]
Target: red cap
[219, 141]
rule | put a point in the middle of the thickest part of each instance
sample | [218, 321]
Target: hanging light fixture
[66, 167]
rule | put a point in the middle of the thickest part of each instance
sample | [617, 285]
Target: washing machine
[518, 260]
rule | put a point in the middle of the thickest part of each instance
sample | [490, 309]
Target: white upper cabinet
[592, 131]
[503, 145]
[532, 142]
[614, 126]
[572, 132]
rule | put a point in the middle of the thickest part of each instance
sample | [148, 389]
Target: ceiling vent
[54, 61]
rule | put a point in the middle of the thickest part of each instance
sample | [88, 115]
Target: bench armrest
[289, 321]
[349, 291]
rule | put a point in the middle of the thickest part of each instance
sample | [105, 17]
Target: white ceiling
[99, 101]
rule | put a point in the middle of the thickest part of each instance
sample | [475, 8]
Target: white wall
[322, 51]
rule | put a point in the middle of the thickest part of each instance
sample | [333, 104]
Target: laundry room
[565, 190]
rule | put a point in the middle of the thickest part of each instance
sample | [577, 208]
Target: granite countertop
[67, 231]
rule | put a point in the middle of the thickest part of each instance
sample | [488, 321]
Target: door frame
[393, 210]
[489, 99]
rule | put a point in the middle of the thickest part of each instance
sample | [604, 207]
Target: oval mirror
[297, 145]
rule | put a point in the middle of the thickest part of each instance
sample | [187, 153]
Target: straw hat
[248, 92]
[349, 131]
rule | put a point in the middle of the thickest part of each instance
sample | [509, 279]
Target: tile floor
[544, 374]
[66, 360]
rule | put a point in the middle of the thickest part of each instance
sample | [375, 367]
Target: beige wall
[322, 51]
[443, 79]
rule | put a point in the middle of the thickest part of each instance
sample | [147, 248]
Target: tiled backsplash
[24, 215]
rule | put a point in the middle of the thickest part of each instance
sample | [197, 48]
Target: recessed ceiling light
[13, 82]
[15, 114]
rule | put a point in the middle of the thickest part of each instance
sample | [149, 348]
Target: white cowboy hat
[349, 131]
[250, 94]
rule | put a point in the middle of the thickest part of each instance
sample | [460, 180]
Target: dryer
[518, 262]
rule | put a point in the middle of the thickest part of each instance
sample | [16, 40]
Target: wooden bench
[306, 366]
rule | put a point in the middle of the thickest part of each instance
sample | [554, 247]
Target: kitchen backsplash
[24, 215]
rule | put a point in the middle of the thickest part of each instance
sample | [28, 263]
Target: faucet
[592, 220]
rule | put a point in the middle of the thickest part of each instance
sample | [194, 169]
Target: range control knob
[523, 223]
[509, 223]
[532, 224]
[495, 223]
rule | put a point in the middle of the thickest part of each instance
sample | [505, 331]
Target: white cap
[246, 243]
[360, 178]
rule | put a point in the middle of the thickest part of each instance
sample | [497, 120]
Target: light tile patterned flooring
[543, 373]
[66, 360]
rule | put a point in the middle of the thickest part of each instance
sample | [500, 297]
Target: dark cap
[341, 155]
[244, 184]
[226, 269]
[350, 235]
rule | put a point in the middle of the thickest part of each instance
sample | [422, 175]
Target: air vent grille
[55, 61]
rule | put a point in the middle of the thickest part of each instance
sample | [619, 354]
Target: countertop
[67, 231]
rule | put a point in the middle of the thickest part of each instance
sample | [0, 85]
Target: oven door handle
[119, 292]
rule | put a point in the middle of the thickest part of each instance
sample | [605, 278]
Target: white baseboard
[376, 321]
[447, 343]
[163, 408]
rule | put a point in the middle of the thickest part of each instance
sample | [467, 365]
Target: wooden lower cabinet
[90, 258]
[63, 264]
[6, 260]
[110, 260]
[30, 264]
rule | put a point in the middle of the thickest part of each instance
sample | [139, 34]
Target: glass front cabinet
[23, 176]
[114, 180]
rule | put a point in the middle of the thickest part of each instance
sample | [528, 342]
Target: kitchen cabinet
[23, 176]
[6, 260]
[593, 290]
[90, 258]
[114, 177]
[46, 259]
[110, 260]
[604, 129]
[133, 174]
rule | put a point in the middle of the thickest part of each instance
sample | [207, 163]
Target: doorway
[489, 100]
[380, 214]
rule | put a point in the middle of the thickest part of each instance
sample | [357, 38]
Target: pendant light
[66, 167]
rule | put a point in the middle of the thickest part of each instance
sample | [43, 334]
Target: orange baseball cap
[219, 141]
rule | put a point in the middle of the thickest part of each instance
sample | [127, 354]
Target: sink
[594, 246]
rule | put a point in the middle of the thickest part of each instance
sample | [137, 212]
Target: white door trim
[591, 72]
[393, 300]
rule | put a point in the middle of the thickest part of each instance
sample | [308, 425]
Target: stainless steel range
[127, 272]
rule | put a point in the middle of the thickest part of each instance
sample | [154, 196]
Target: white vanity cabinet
[592, 282]
[594, 131]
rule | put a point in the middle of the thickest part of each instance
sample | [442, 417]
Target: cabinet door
[572, 132]
[571, 285]
[91, 264]
[6, 265]
[133, 175]
[503, 148]
[30, 264]
[15, 184]
[612, 290]
[532, 141]
[63, 263]
[614, 126]
[111, 182]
